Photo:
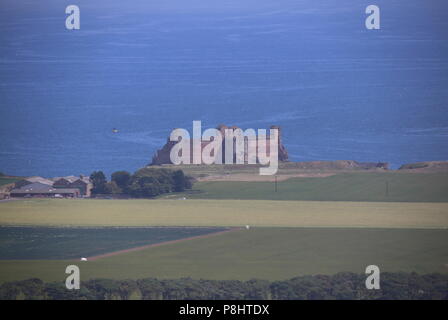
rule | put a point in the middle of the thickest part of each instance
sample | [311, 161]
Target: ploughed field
[25, 243]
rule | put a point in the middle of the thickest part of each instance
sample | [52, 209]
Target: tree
[112, 188]
[179, 181]
[341, 286]
[99, 182]
[149, 187]
[144, 183]
[189, 182]
[122, 179]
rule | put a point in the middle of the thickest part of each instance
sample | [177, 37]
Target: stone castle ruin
[162, 155]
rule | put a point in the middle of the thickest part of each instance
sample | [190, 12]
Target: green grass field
[402, 187]
[52, 243]
[223, 213]
[264, 253]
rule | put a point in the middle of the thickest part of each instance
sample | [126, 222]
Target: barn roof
[40, 180]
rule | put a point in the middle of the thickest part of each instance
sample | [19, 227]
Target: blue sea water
[338, 90]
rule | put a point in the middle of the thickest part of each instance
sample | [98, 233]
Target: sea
[337, 89]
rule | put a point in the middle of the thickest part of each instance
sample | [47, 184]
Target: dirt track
[109, 254]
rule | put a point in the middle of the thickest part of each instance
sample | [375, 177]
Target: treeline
[341, 286]
[144, 183]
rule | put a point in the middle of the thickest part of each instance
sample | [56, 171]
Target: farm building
[31, 180]
[82, 183]
[38, 189]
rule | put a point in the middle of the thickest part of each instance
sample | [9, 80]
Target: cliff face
[162, 156]
[426, 166]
